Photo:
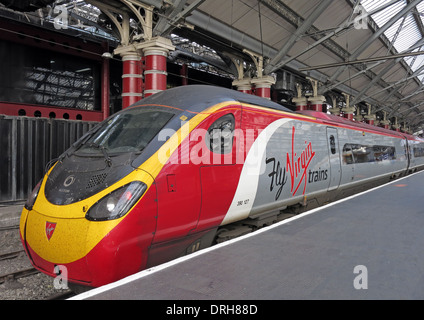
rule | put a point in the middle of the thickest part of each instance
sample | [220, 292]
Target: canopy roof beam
[386, 69]
[345, 26]
[305, 26]
[410, 6]
[174, 15]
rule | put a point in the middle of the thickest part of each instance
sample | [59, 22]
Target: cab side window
[332, 144]
[219, 137]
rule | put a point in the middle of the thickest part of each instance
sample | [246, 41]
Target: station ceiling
[297, 34]
[369, 49]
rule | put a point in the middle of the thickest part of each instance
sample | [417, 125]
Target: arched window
[220, 135]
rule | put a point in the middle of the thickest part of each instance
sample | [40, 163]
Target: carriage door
[334, 158]
[220, 173]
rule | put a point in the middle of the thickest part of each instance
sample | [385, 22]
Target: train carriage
[191, 166]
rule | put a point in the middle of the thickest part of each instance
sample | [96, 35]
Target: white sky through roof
[404, 33]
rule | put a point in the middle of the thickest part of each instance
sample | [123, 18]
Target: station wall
[26, 147]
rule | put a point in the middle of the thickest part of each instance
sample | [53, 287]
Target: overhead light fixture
[83, 70]
[107, 55]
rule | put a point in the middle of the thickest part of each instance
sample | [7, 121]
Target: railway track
[12, 276]
[9, 228]
[10, 255]
[18, 279]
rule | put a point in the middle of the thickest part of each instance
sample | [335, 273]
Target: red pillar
[263, 91]
[184, 74]
[245, 90]
[315, 103]
[348, 116]
[263, 86]
[385, 124]
[301, 106]
[315, 107]
[155, 53]
[348, 112]
[106, 82]
[243, 85]
[155, 74]
[301, 103]
[370, 117]
[132, 78]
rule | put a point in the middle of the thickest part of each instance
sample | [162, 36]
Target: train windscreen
[128, 131]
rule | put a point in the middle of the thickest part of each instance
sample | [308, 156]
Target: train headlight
[33, 196]
[117, 203]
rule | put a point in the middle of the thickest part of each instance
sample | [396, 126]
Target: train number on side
[242, 202]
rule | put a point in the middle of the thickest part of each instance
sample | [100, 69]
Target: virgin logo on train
[50, 227]
[297, 168]
[298, 165]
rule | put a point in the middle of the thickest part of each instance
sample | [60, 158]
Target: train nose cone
[51, 241]
[54, 239]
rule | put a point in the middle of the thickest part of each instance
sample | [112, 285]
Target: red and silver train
[192, 165]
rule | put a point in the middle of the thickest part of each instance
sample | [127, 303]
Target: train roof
[197, 98]
[332, 119]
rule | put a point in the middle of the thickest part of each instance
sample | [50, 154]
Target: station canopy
[371, 50]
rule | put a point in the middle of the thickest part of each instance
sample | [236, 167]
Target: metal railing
[27, 145]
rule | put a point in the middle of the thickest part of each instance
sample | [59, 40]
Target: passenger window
[358, 153]
[219, 137]
[348, 154]
[418, 152]
[333, 144]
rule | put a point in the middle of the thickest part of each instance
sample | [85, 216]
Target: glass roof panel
[404, 32]
[408, 33]
[420, 8]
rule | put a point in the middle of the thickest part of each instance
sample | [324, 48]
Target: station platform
[368, 246]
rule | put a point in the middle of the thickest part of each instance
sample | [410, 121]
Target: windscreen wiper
[108, 160]
[81, 141]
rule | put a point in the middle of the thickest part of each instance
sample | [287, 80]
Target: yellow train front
[91, 243]
[94, 212]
